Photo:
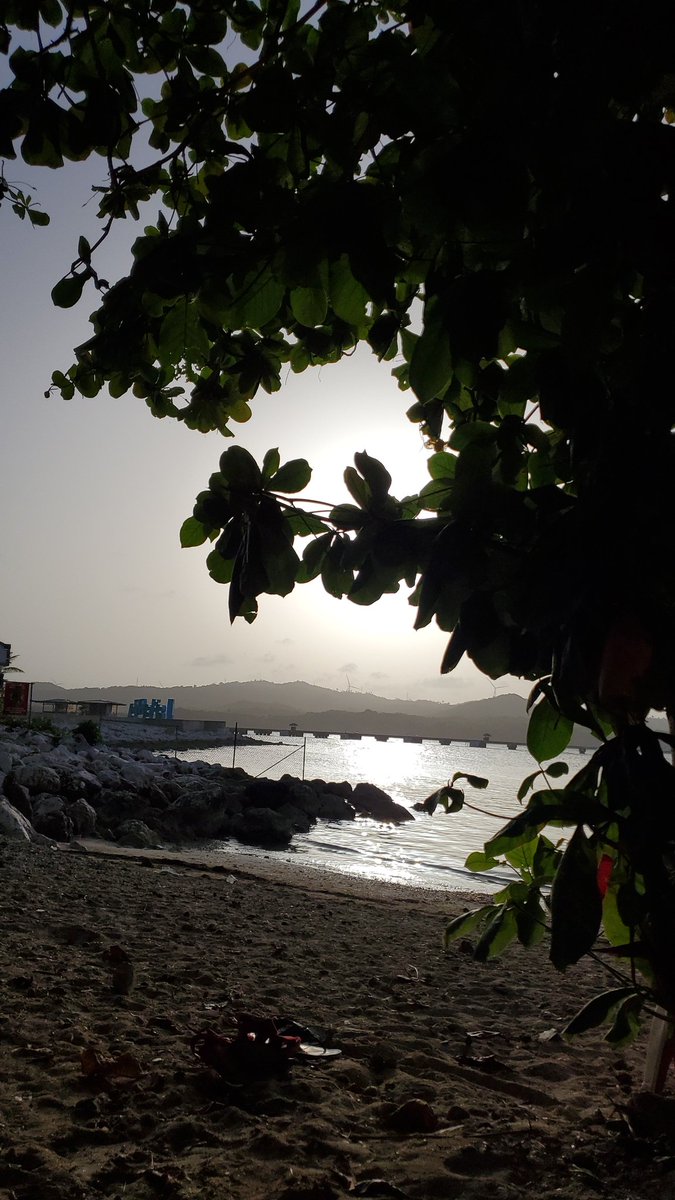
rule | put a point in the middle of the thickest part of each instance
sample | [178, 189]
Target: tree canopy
[484, 195]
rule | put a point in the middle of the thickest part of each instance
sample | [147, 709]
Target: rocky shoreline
[59, 788]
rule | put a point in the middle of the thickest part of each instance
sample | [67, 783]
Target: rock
[303, 796]
[344, 789]
[13, 824]
[154, 794]
[83, 817]
[413, 1116]
[371, 801]
[18, 796]
[299, 821]
[38, 778]
[137, 773]
[51, 819]
[137, 834]
[204, 814]
[332, 807]
[268, 793]
[79, 783]
[262, 827]
[71, 787]
[114, 806]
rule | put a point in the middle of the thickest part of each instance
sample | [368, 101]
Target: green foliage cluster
[483, 194]
[90, 731]
[613, 875]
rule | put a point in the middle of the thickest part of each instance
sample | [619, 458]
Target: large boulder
[13, 824]
[76, 783]
[343, 789]
[136, 834]
[331, 807]
[83, 817]
[51, 818]
[113, 806]
[38, 778]
[268, 793]
[262, 827]
[155, 795]
[371, 801]
[303, 796]
[18, 796]
[205, 813]
[299, 820]
[138, 774]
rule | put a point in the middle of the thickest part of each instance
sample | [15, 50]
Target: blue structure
[152, 711]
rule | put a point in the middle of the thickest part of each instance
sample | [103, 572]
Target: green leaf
[182, 335]
[277, 556]
[193, 533]
[544, 809]
[576, 904]
[626, 1024]
[617, 931]
[375, 474]
[528, 783]
[292, 477]
[451, 798]
[337, 578]
[467, 922]
[313, 556]
[556, 769]
[260, 301]
[309, 305]
[598, 1010]
[474, 781]
[530, 919]
[437, 494]
[240, 469]
[478, 862]
[548, 732]
[219, 568]
[67, 291]
[347, 516]
[442, 465]
[38, 218]
[502, 930]
[271, 463]
[431, 362]
[302, 523]
[349, 299]
[358, 487]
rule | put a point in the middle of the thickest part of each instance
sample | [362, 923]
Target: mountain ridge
[267, 705]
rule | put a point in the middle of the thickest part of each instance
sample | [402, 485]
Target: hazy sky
[95, 589]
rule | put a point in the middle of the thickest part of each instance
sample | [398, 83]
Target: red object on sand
[257, 1051]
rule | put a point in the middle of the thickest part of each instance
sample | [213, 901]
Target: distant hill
[273, 705]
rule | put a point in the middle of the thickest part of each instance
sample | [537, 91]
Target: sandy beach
[452, 1079]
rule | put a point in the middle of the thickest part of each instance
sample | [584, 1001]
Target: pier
[413, 738]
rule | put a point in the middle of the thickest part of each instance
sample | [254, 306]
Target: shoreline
[262, 867]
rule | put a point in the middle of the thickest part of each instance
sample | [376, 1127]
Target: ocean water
[429, 851]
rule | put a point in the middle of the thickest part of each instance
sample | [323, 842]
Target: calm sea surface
[429, 851]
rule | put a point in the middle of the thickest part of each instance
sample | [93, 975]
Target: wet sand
[452, 1079]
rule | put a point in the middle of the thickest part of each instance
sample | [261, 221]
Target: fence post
[304, 755]
[234, 744]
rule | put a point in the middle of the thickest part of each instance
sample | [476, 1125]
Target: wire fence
[260, 758]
